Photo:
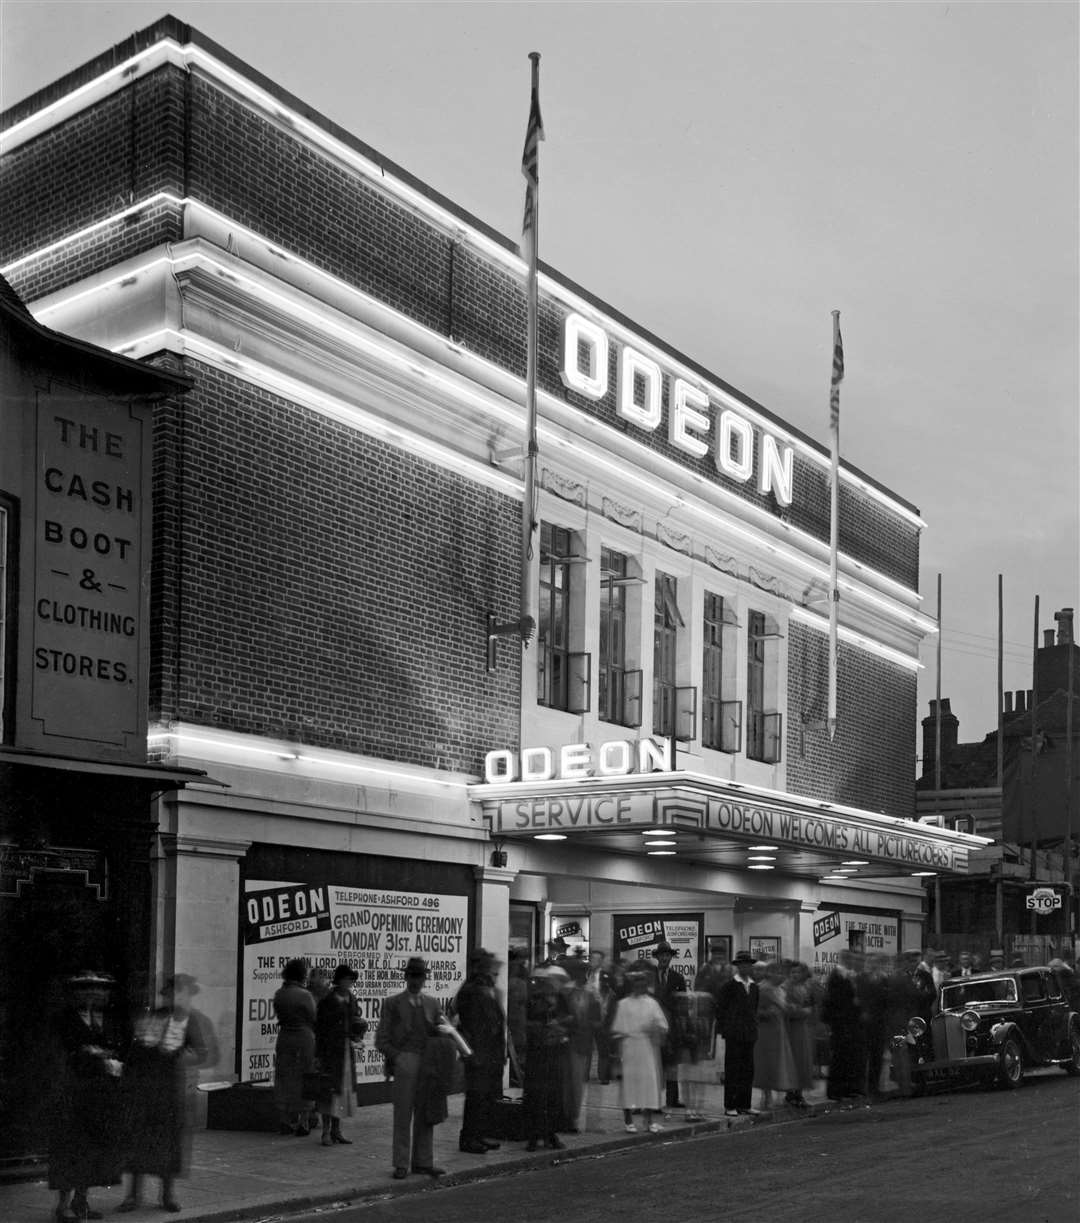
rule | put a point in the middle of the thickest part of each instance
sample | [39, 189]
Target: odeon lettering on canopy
[692, 416]
[614, 758]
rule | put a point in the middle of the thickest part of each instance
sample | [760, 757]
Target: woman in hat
[294, 1051]
[169, 1043]
[84, 1145]
[640, 1026]
[338, 1025]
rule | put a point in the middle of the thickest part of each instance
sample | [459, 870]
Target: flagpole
[834, 515]
[529, 586]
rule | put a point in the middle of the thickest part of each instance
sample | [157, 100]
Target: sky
[728, 174]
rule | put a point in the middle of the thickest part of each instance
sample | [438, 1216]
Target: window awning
[722, 824]
[160, 776]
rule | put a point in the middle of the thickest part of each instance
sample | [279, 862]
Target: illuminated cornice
[821, 623]
[451, 371]
[192, 57]
[185, 741]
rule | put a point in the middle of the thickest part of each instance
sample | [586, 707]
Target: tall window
[763, 725]
[554, 629]
[611, 684]
[666, 624]
[721, 717]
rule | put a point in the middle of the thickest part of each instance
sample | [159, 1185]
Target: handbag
[315, 1085]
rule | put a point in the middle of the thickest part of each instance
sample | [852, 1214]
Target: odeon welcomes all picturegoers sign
[695, 424]
[683, 805]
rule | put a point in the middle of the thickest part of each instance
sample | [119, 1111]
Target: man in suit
[406, 1023]
[736, 1017]
[669, 982]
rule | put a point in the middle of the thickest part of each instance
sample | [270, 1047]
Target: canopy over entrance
[721, 824]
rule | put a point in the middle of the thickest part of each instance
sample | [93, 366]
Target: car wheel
[1010, 1064]
[1072, 1066]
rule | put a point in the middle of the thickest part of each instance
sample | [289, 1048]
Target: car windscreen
[973, 992]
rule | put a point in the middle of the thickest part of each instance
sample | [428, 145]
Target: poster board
[836, 930]
[635, 935]
[375, 930]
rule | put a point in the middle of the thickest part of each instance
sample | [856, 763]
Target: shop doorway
[56, 925]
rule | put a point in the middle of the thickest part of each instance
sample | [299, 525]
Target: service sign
[375, 930]
[90, 571]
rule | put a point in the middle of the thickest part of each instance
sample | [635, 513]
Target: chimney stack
[1008, 702]
[1021, 701]
[1064, 620]
[950, 726]
[1048, 638]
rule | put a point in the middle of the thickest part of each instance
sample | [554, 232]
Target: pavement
[236, 1174]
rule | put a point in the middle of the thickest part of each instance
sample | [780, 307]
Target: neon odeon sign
[695, 425]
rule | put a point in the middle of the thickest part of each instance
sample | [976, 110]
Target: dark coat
[736, 1010]
[395, 1023]
[155, 1089]
[85, 1136]
[667, 991]
[482, 1022]
[337, 1024]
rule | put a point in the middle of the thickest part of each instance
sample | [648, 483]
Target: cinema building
[337, 504]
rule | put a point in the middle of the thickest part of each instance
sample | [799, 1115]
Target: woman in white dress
[639, 1026]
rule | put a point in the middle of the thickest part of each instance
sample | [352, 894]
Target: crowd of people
[120, 1102]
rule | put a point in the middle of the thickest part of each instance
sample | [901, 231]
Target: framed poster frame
[764, 946]
[718, 942]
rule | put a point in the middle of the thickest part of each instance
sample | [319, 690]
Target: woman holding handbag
[338, 1024]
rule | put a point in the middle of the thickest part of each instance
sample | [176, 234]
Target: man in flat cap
[406, 1023]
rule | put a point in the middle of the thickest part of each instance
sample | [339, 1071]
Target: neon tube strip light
[812, 620]
[328, 320]
[226, 746]
[190, 55]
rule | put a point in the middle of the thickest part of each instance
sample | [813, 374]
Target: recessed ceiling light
[760, 858]
[918, 874]
[550, 836]
[658, 832]
[856, 862]
[662, 843]
[834, 878]
[770, 848]
[759, 868]
[660, 853]
[846, 870]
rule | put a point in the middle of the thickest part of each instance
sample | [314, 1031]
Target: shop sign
[613, 758]
[372, 929]
[695, 425]
[624, 809]
[636, 935]
[89, 594]
[20, 867]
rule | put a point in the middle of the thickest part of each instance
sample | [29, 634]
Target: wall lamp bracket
[523, 628]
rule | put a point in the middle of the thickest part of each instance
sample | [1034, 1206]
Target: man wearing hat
[406, 1022]
[736, 1017]
[669, 983]
[482, 1021]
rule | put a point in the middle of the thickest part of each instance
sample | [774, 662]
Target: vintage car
[989, 1029]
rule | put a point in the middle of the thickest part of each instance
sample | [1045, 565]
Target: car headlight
[969, 1021]
[916, 1027]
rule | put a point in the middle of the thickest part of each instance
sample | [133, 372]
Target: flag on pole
[530, 157]
[837, 372]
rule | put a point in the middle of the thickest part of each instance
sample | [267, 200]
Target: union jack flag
[530, 157]
[837, 373]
